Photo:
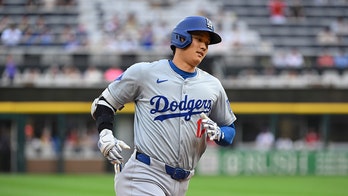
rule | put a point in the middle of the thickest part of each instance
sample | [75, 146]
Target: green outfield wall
[274, 162]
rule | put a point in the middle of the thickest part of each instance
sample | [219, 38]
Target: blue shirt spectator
[11, 36]
[341, 59]
[11, 69]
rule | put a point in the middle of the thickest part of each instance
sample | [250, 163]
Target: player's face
[190, 57]
[199, 47]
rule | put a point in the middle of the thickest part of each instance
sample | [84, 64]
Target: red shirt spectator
[277, 11]
[325, 59]
[312, 137]
[112, 73]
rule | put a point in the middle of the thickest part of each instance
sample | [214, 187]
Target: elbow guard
[105, 99]
[100, 101]
[103, 113]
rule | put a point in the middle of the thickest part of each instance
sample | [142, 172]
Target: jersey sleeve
[221, 111]
[126, 87]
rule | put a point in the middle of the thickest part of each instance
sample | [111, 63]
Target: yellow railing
[238, 108]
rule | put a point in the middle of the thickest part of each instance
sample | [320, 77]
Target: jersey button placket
[184, 89]
[182, 122]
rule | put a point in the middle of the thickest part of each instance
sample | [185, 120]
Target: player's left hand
[111, 147]
[212, 129]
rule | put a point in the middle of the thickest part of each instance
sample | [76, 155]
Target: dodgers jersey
[168, 108]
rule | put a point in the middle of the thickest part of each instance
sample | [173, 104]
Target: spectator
[31, 76]
[11, 35]
[72, 75]
[82, 35]
[33, 4]
[29, 37]
[74, 39]
[112, 26]
[339, 26]
[10, 69]
[48, 142]
[131, 26]
[52, 76]
[66, 34]
[234, 38]
[147, 37]
[277, 11]
[264, 140]
[40, 25]
[46, 37]
[294, 58]
[4, 22]
[297, 10]
[124, 43]
[74, 140]
[312, 138]
[284, 143]
[48, 5]
[112, 73]
[92, 76]
[341, 59]
[24, 24]
[71, 44]
[279, 59]
[325, 59]
[327, 37]
[162, 37]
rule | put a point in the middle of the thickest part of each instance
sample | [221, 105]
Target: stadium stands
[111, 33]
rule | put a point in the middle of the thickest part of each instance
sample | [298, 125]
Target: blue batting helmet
[181, 36]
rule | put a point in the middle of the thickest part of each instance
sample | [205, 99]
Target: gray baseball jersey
[168, 108]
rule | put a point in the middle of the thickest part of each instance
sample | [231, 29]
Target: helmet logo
[209, 24]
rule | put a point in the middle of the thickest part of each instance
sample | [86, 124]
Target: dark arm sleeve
[104, 117]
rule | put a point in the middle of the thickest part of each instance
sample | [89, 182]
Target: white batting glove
[212, 129]
[111, 147]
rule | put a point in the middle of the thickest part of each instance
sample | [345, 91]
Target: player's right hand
[213, 130]
[111, 147]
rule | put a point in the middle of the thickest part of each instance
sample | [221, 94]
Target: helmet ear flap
[181, 40]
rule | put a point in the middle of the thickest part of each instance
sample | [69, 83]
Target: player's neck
[184, 66]
[182, 73]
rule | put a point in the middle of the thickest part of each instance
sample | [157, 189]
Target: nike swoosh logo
[160, 81]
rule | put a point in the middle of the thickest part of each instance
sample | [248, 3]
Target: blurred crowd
[32, 29]
[43, 141]
[57, 76]
[266, 140]
[128, 33]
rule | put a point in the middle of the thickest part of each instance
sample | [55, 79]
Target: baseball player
[178, 107]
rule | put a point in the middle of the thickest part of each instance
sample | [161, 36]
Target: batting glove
[212, 129]
[111, 147]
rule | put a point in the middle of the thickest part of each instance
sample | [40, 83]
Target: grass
[88, 185]
[56, 185]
